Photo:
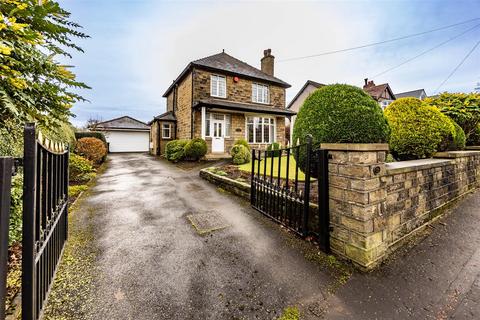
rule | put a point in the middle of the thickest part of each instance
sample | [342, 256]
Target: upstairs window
[218, 86]
[260, 93]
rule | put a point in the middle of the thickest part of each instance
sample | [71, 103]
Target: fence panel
[45, 218]
[6, 167]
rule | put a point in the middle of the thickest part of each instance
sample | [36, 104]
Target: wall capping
[355, 146]
[414, 165]
[457, 154]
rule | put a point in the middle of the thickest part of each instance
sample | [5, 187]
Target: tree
[34, 86]
[463, 108]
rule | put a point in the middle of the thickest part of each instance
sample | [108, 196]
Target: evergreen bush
[175, 150]
[195, 149]
[240, 154]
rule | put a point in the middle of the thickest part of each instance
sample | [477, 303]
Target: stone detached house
[381, 93]
[222, 99]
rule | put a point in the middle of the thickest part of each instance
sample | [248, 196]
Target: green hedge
[418, 130]
[175, 150]
[81, 169]
[274, 149]
[91, 134]
[195, 149]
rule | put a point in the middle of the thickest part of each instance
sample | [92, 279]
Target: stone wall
[156, 139]
[375, 205]
[240, 91]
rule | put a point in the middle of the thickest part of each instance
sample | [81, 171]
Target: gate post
[29, 308]
[6, 166]
[323, 201]
[252, 176]
[357, 199]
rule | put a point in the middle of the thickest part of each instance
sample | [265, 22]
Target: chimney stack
[267, 62]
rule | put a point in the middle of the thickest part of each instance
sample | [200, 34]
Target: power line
[458, 66]
[377, 43]
[425, 52]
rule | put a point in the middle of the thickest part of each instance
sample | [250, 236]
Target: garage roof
[124, 123]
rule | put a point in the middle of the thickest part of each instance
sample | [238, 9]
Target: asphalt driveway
[152, 264]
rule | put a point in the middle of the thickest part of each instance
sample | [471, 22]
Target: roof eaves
[313, 83]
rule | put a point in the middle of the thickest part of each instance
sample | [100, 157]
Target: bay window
[260, 130]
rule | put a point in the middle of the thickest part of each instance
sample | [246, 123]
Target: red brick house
[381, 93]
[221, 99]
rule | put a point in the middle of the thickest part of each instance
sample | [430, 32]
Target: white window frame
[169, 130]
[215, 86]
[254, 116]
[227, 123]
[262, 96]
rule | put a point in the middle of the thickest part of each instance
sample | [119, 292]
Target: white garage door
[128, 141]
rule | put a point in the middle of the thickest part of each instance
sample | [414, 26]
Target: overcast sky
[137, 47]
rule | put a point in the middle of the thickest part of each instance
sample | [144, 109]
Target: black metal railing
[45, 218]
[6, 166]
[281, 188]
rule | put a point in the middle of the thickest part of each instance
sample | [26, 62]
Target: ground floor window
[260, 130]
[166, 131]
[211, 118]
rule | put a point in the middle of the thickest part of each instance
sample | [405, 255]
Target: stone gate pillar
[357, 201]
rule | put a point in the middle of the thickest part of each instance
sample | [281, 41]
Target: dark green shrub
[339, 113]
[91, 148]
[474, 138]
[74, 191]
[417, 130]
[80, 168]
[16, 210]
[243, 142]
[274, 150]
[195, 149]
[240, 154]
[175, 150]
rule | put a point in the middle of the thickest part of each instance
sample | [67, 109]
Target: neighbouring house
[381, 93]
[297, 102]
[125, 134]
[221, 99]
[419, 94]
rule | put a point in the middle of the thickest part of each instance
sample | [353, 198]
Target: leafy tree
[34, 86]
[463, 108]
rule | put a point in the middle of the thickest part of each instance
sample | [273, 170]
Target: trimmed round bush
[80, 169]
[91, 148]
[195, 149]
[240, 154]
[459, 140]
[175, 150]
[417, 130]
[474, 138]
[242, 142]
[339, 113]
[274, 149]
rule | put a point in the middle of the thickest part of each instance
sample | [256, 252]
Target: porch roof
[245, 107]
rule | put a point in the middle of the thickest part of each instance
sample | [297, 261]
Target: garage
[125, 134]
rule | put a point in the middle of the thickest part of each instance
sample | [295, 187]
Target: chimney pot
[366, 81]
[267, 62]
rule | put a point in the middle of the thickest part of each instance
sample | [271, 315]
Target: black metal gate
[281, 190]
[45, 218]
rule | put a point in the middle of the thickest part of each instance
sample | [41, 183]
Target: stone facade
[375, 205]
[196, 86]
[156, 139]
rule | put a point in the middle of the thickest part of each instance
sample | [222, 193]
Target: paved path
[439, 278]
[153, 265]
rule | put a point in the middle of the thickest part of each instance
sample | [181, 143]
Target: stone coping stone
[355, 146]
[472, 147]
[414, 165]
[457, 154]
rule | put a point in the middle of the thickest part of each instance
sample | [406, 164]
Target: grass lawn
[283, 172]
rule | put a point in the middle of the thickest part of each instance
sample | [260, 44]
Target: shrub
[91, 134]
[91, 148]
[74, 191]
[417, 130]
[16, 210]
[242, 142]
[175, 150]
[339, 113]
[195, 149]
[274, 149]
[459, 139]
[474, 138]
[240, 154]
[80, 168]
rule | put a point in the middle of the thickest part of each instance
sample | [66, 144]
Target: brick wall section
[374, 205]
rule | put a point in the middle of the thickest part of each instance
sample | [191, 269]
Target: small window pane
[207, 124]
[250, 132]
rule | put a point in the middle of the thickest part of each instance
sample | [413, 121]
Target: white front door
[218, 141]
